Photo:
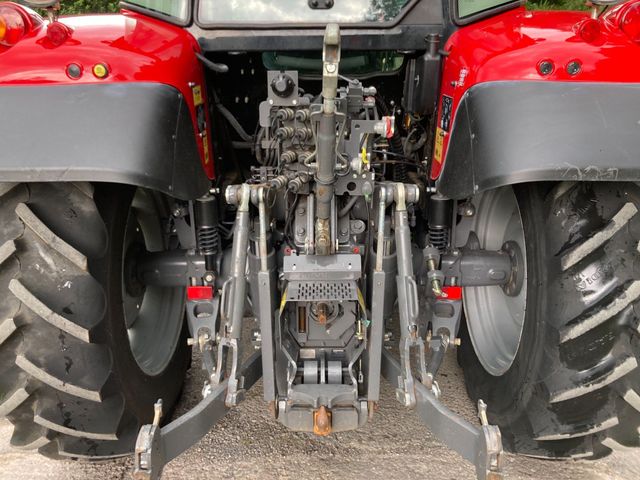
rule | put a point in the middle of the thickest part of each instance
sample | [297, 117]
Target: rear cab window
[175, 9]
[282, 12]
[470, 8]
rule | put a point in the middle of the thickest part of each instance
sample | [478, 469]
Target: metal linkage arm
[155, 446]
[480, 446]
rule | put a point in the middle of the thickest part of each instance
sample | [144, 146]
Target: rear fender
[515, 132]
[145, 123]
[502, 119]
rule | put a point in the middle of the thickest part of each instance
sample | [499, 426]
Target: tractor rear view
[320, 194]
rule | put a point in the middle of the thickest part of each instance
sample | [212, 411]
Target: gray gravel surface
[249, 444]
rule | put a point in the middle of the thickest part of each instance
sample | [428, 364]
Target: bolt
[436, 286]
[301, 230]
[209, 278]
[467, 209]
[457, 342]
[191, 341]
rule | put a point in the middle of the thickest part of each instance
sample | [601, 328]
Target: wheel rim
[153, 315]
[495, 320]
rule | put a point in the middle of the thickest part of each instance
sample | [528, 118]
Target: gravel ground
[247, 443]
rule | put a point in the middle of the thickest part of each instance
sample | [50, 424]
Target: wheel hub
[495, 314]
[516, 280]
[153, 314]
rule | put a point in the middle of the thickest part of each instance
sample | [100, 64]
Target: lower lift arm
[481, 446]
[157, 446]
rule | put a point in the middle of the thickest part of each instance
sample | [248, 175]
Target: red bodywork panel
[134, 48]
[511, 47]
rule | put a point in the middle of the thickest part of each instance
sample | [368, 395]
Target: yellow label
[437, 151]
[205, 145]
[361, 301]
[197, 95]
[283, 301]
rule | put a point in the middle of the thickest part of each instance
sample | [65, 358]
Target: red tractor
[371, 182]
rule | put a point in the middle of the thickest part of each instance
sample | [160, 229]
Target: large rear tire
[573, 387]
[73, 381]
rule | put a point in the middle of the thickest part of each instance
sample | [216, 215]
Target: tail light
[16, 21]
[589, 29]
[629, 21]
[13, 25]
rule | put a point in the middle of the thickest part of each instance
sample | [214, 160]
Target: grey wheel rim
[153, 315]
[494, 319]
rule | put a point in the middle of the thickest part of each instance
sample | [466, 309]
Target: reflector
[199, 293]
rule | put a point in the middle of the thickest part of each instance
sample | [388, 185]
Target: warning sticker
[439, 147]
[447, 112]
[197, 95]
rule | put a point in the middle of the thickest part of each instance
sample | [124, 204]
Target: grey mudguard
[514, 132]
[134, 133]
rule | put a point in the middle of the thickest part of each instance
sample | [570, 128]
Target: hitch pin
[482, 413]
[157, 413]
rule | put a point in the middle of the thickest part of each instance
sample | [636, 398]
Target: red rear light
[13, 25]
[589, 30]
[629, 21]
[58, 33]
